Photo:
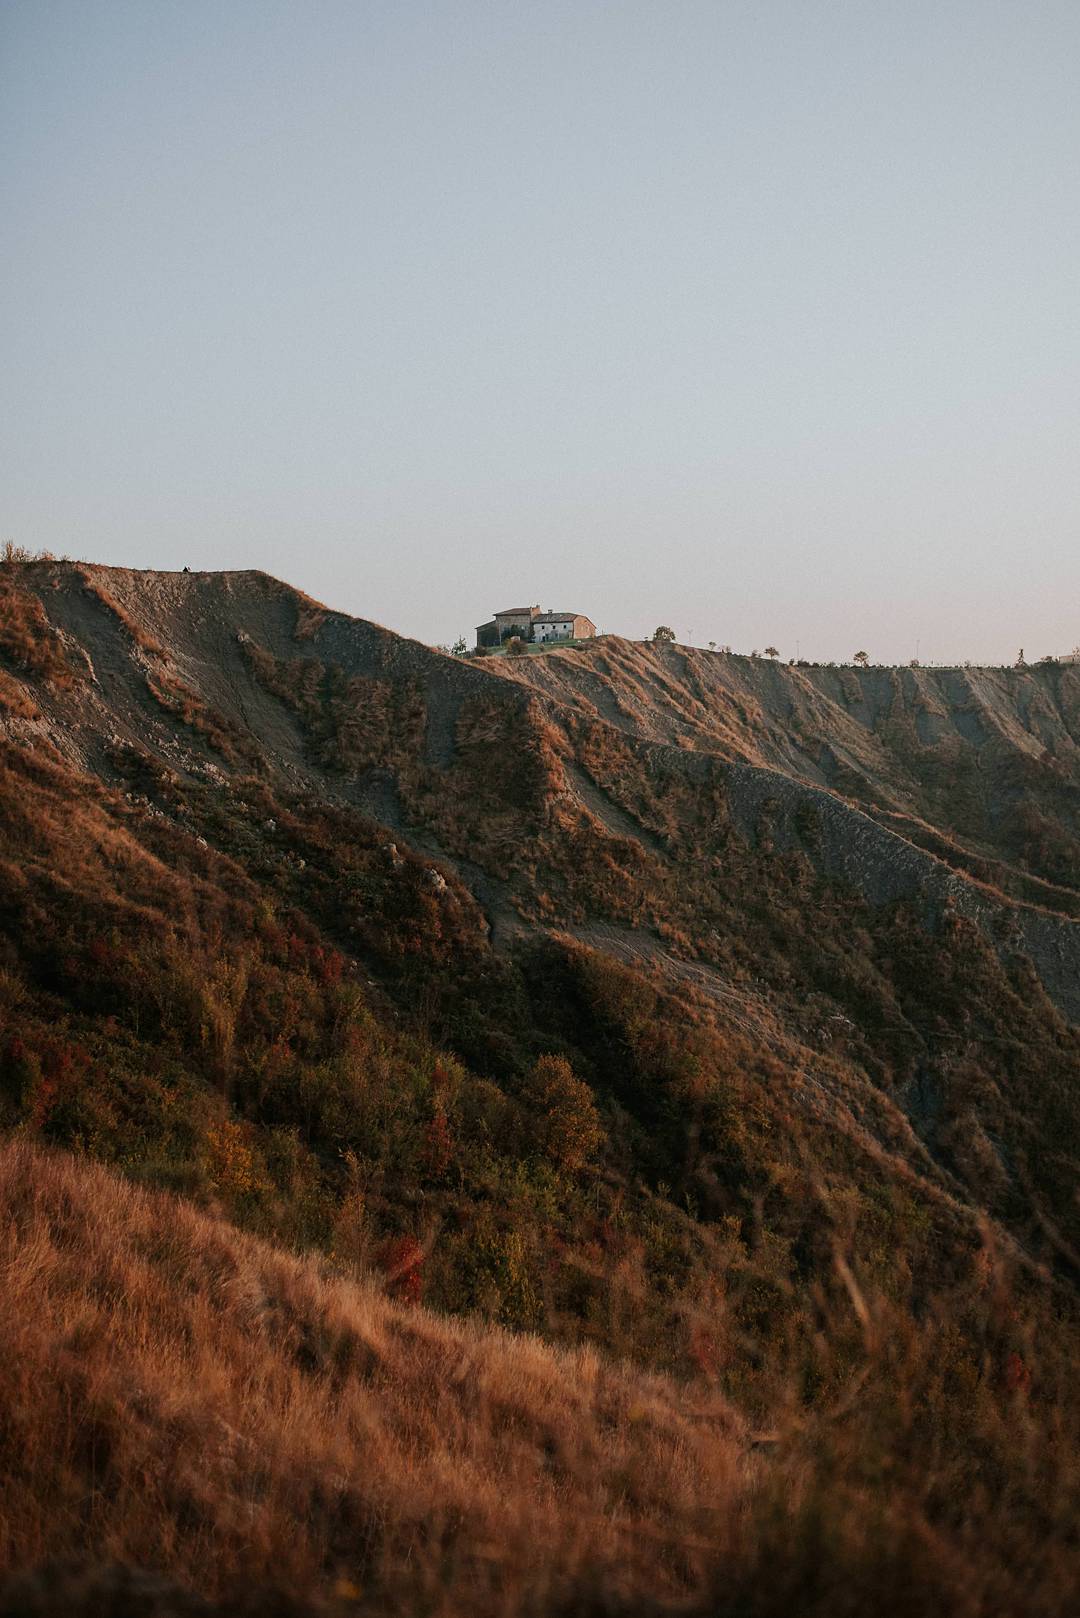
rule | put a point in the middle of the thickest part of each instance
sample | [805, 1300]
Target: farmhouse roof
[557, 617]
[514, 612]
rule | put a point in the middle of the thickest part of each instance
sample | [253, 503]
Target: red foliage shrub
[329, 965]
[438, 1146]
[401, 1260]
[1017, 1375]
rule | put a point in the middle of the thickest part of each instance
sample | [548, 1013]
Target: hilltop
[716, 1014]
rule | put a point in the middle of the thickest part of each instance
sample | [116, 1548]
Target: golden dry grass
[15, 700]
[27, 638]
[180, 1397]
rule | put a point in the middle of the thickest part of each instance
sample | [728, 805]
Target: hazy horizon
[758, 320]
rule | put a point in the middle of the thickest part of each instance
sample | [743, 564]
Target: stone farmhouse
[529, 623]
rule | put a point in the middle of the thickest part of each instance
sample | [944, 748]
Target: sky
[758, 318]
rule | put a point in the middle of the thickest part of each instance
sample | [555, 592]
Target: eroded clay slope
[506, 767]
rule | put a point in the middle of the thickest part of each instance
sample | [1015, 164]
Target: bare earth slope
[981, 765]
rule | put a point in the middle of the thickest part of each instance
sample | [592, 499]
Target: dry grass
[138, 634]
[15, 700]
[177, 698]
[27, 638]
[181, 1397]
[310, 616]
[177, 1397]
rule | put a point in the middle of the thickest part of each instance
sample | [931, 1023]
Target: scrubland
[460, 1160]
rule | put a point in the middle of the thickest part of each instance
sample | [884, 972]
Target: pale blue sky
[759, 319]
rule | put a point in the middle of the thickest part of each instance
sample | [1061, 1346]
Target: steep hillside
[584, 994]
[437, 821]
[980, 766]
[219, 673]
